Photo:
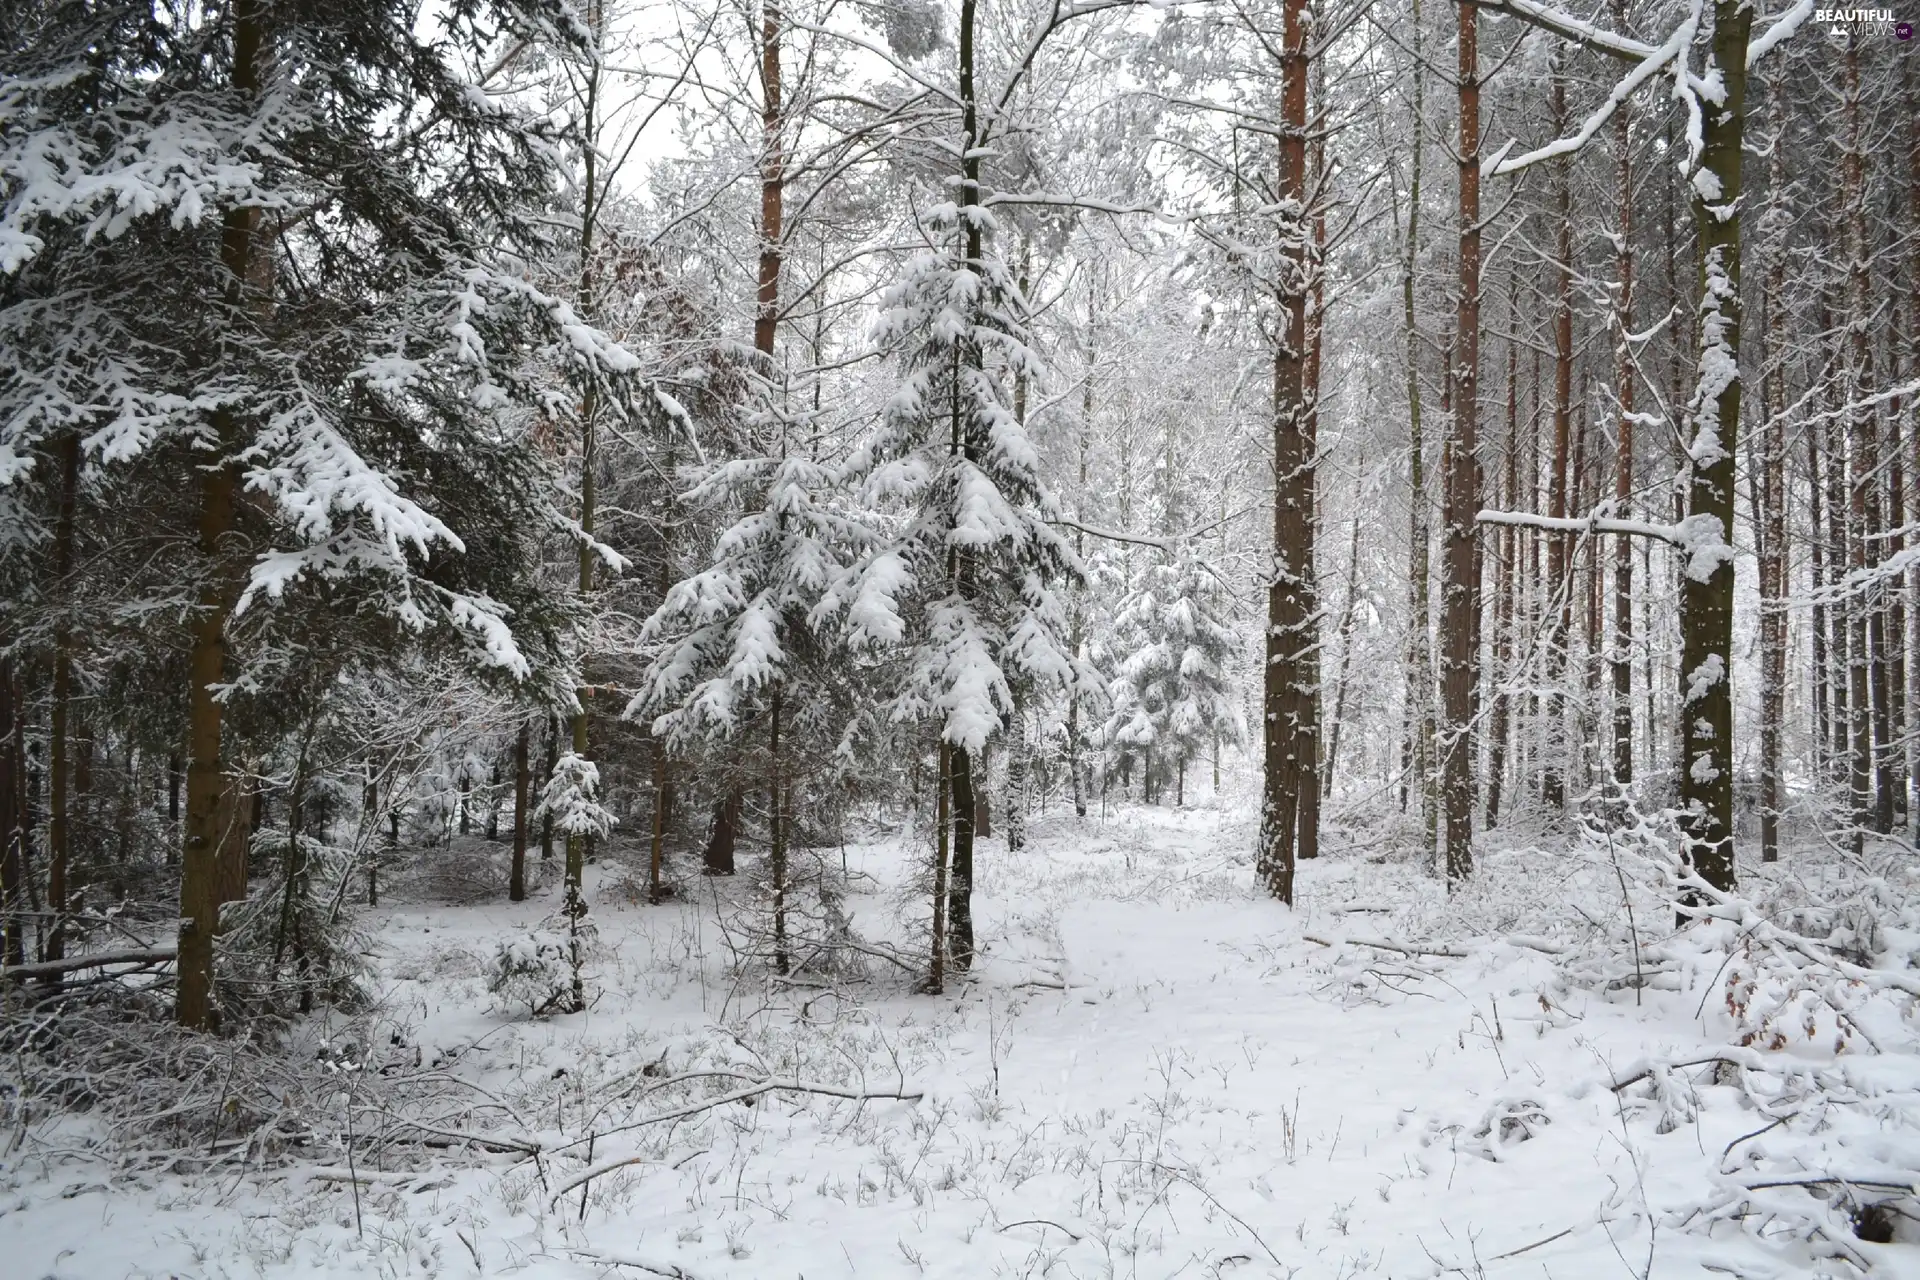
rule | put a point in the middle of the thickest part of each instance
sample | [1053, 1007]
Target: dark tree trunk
[1460, 605]
[724, 834]
[59, 741]
[522, 783]
[960, 885]
[13, 948]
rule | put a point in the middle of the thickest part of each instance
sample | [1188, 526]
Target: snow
[1154, 1072]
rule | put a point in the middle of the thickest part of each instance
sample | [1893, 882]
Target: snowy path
[1153, 1074]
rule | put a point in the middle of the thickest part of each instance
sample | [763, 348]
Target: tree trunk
[942, 807]
[199, 860]
[1506, 549]
[234, 820]
[1770, 516]
[777, 833]
[1348, 616]
[1460, 603]
[194, 1001]
[1419, 722]
[522, 786]
[1706, 585]
[1624, 380]
[546, 776]
[59, 740]
[1817, 622]
[1014, 800]
[657, 841]
[724, 835]
[13, 949]
[1289, 722]
[1553, 789]
[960, 885]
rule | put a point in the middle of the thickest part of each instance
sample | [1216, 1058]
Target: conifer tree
[276, 256]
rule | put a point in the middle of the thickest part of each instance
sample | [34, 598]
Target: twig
[672, 1271]
[1040, 1222]
[1527, 1248]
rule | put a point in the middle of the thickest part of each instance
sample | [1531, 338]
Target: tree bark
[1460, 603]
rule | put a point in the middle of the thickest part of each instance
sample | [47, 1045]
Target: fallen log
[94, 960]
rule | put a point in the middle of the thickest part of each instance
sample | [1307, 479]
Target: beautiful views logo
[1839, 20]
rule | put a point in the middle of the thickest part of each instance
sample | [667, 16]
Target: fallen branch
[1445, 952]
[582, 1179]
[747, 1094]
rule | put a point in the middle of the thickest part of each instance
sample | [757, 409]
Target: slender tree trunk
[1862, 452]
[942, 807]
[1553, 791]
[1706, 584]
[1840, 721]
[546, 776]
[522, 786]
[1420, 671]
[59, 740]
[657, 838]
[1348, 616]
[1506, 550]
[1770, 516]
[1817, 621]
[1624, 380]
[778, 837]
[1460, 603]
[13, 948]
[1077, 620]
[1289, 722]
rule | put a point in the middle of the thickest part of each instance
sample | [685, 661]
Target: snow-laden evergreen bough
[279, 255]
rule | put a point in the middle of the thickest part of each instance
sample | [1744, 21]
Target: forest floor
[1153, 1071]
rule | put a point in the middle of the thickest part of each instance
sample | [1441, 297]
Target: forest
[721, 638]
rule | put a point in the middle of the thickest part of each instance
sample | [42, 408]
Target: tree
[285, 251]
[1173, 696]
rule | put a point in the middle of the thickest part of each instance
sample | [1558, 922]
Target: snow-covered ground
[1153, 1072]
